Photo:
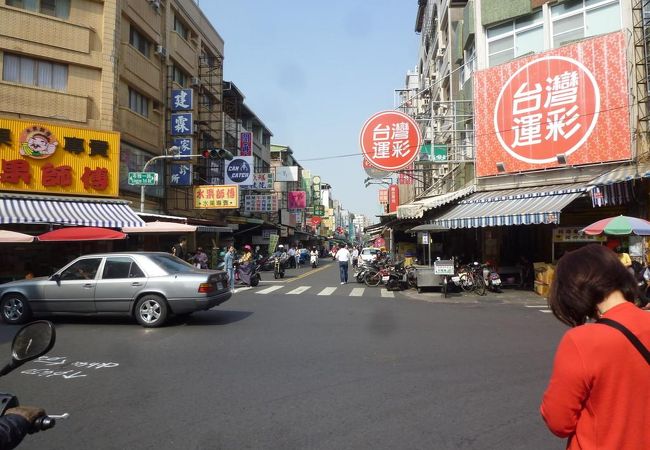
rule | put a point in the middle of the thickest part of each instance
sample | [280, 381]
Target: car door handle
[136, 283]
[88, 286]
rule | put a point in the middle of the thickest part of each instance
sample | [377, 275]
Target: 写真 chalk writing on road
[60, 363]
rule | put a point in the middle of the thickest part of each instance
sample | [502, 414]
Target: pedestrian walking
[343, 257]
[200, 259]
[355, 257]
[229, 260]
[180, 249]
[292, 257]
[599, 392]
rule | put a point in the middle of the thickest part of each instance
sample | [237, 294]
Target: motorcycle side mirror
[31, 341]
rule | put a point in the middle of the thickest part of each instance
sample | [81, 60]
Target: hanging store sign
[261, 203]
[556, 108]
[383, 196]
[296, 199]
[181, 175]
[246, 143]
[262, 181]
[184, 146]
[181, 124]
[239, 170]
[390, 140]
[41, 157]
[182, 99]
[286, 173]
[393, 197]
[216, 197]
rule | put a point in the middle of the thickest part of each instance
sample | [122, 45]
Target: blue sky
[314, 71]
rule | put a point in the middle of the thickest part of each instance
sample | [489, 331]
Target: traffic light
[217, 153]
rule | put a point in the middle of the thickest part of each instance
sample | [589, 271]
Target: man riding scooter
[246, 266]
[313, 257]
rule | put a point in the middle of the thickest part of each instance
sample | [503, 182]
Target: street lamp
[215, 154]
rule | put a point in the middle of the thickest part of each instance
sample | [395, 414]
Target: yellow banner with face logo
[40, 157]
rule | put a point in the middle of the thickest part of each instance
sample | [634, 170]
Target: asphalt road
[274, 370]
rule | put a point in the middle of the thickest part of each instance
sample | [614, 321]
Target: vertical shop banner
[182, 99]
[390, 140]
[239, 170]
[296, 199]
[393, 198]
[185, 147]
[181, 175]
[273, 242]
[567, 106]
[181, 124]
[246, 143]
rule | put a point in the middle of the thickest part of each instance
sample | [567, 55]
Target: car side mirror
[56, 277]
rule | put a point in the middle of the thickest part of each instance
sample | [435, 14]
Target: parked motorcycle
[492, 278]
[31, 341]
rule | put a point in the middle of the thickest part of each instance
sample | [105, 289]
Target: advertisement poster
[390, 140]
[261, 203]
[560, 107]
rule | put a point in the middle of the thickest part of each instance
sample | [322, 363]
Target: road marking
[268, 290]
[298, 290]
[306, 274]
[357, 292]
[327, 291]
[547, 311]
[536, 306]
[387, 293]
[245, 288]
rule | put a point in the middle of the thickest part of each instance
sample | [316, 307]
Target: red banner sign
[393, 197]
[564, 106]
[390, 140]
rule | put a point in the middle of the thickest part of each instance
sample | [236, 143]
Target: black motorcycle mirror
[31, 341]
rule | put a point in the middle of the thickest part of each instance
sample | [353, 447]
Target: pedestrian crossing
[541, 308]
[343, 290]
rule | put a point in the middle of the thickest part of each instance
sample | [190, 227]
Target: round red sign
[548, 107]
[390, 140]
[315, 220]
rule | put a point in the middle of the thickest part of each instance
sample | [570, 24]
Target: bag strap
[628, 334]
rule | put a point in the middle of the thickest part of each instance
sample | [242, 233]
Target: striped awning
[68, 211]
[525, 206]
[415, 210]
[623, 173]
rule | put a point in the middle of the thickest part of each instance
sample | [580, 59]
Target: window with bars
[138, 103]
[34, 72]
[55, 8]
[137, 39]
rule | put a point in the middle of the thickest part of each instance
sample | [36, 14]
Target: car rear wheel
[151, 311]
[15, 309]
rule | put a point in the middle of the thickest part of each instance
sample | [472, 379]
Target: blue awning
[67, 211]
[525, 206]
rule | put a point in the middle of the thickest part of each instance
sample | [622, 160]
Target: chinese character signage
[181, 124]
[184, 147]
[383, 196]
[261, 203]
[239, 170]
[216, 197]
[246, 144]
[182, 99]
[40, 157]
[181, 175]
[393, 197]
[573, 234]
[390, 140]
[262, 181]
[564, 102]
[296, 199]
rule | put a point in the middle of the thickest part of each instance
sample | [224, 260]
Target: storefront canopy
[81, 234]
[7, 236]
[524, 206]
[67, 211]
[623, 173]
[432, 228]
[415, 210]
[161, 227]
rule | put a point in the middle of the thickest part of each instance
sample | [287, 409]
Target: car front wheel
[15, 309]
[151, 311]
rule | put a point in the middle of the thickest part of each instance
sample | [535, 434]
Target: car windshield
[172, 264]
[369, 251]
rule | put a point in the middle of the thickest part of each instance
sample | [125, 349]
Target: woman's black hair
[583, 279]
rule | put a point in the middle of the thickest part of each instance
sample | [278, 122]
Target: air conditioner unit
[161, 51]
[195, 81]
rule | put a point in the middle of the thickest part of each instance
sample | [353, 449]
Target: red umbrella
[81, 234]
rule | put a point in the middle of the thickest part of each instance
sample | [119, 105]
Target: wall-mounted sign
[143, 178]
[393, 197]
[563, 106]
[181, 124]
[383, 196]
[239, 170]
[261, 203]
[572, 234]
[41, 157]
[181, 175]
[216, 197]
[296, 199]
[182, 99]
[286, 173]
[184, 147]
[390, 140]
[246, 143]
[262, 181]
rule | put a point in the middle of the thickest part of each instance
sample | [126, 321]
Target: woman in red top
[599, 393]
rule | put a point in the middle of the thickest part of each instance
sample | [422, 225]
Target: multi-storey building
[530, 104]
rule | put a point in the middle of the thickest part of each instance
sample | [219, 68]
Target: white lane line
[298, 290]
[536, 306]
[244, 288]
[357, 292]
[386, 293]
[547, 311]
[268, 290]
[327, 291]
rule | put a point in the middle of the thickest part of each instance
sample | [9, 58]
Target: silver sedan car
[147, 285]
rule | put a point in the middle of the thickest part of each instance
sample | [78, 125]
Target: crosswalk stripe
[268, 290]
[327, 291]
[357, 292]
[536, 306]
[547, 311]
[387, 293]
[243, 288]
[298, 290]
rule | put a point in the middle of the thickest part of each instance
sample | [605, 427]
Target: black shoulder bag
[628, 334]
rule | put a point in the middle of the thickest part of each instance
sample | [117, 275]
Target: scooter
[31, 341]
[251, 279]
[492, 279]
[313, 260]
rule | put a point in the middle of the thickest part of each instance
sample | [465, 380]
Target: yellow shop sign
[47, 158]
